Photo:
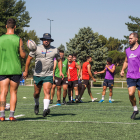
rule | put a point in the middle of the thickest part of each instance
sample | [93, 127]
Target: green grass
[95, 121]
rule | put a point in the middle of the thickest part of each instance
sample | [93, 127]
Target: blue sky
[107, 17]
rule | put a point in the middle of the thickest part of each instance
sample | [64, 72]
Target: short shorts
[108, 83]
[133, 82]
[15, 78]
[40, 80]
[60, 82]
[85, 82]
[72, 84]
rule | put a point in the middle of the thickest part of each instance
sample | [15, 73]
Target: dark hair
[74, 55]
[135, 35]
[61, 51]
[70, 54]
[11, 23]
[88, 57]
[109, 59]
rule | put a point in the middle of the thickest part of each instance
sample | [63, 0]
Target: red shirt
[85, 74]
[73, 71]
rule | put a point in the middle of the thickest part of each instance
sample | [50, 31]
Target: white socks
[36, 101]
[135, 108]
[46, 103]
[103, 97]
[110, 97]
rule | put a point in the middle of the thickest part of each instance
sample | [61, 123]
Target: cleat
[36, 109]
[12, 119]
[69, 101]
[46, 112]
[101, 101]
[110, 101]
[2, 118]
[134, 114]
[72, 101]
[80, 101]
[94, 99]
[64, 103]
[58, 103]
[51, 101]
[76, 101]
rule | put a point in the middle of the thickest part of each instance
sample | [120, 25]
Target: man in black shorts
[59, 81]
[11, 47]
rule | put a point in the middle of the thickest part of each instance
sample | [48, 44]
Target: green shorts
[40, 80]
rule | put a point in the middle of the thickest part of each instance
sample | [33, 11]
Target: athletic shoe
[80, 101]
[94, 99]
[12, 119]
[46, 112]
[64, 103]
[58, 103]
[51, 101]
[110, 101]
[36, 109]
[101, 101]
[76, 101]
[134, 114]
[69, 102]
[72, 101]
[2, 118]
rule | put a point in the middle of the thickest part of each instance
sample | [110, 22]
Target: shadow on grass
[38, 118]
[137, 118]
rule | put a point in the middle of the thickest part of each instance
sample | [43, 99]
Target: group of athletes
[53, 70]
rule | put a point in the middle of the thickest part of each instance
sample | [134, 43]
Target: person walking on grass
[11, 49]
[109, 79]
[132, 63]
[43, 73]
[85, 77]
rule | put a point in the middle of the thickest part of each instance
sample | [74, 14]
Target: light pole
[50, 24]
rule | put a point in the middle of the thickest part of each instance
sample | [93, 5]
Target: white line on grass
[82, 122]
[16, 116]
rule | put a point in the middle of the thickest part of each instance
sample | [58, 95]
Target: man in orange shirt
[85, 76]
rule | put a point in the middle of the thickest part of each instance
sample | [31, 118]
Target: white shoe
[94, 99]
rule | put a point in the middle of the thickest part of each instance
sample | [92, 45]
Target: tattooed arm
[21, 49]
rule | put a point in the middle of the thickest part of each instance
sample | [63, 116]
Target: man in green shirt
[60, 81]
[11, 49]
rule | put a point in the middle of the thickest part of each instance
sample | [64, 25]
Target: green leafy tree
[114, 44]
[117, 57]
[104, 39]
[133, 26]
[88, 43]
[17, 10]
[61, 47]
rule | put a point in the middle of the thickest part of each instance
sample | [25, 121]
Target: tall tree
[61, 47]
[133, 26]
[88, 43]
[114, 44]
[17, 10]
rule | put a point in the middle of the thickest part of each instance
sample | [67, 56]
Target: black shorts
[108, 83]
[60, 82]
[85, 82]
[15, 78]
[72, 84]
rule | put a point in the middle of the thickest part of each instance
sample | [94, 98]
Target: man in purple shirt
[109, 79]
[132, 62]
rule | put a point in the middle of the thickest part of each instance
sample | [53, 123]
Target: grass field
[81, 121]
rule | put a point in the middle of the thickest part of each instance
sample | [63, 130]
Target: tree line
[85, 42]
